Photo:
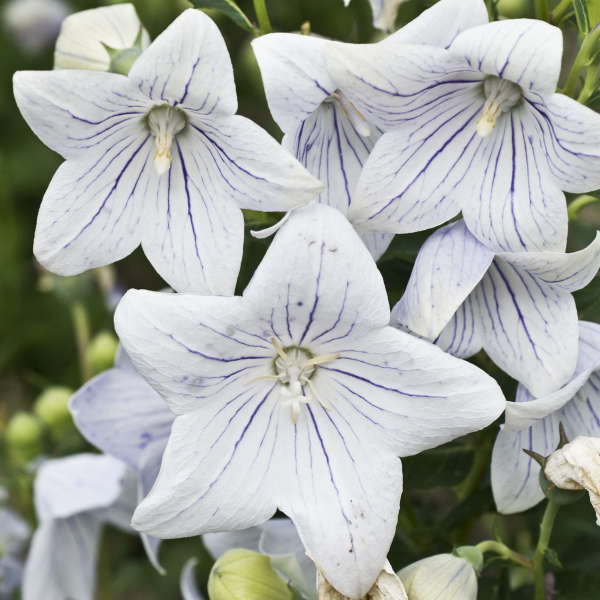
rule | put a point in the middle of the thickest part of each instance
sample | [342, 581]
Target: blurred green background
[38, 343]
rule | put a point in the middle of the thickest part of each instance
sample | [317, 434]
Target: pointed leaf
[228, 8]
[582, 16]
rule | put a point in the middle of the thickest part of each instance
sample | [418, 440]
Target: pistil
[501, 96]
[165, 122]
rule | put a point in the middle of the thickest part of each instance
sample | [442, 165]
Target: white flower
[84, 35]
[517, 306]
[297, 396]
[475, 127]
[387, 586]
[532, 423]
[442, 576]
[576, 466]
[384, 13]
[34, 24]
[157, 157]
[123, 416]
[322, 128]
[14, 534]
[74, 497]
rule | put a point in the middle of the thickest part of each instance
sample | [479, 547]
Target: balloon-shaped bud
[102, 351]
[109, 38]
[23, 437]
[241, 574]
[52, 409]
[440, 576]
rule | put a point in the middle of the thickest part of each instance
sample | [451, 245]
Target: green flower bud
[23, 437]
[514, 9]
[101, 352]
[472, 555]
[52, 409]
[246, 575]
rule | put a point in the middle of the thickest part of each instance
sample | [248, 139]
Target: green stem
[582, 60]
[492, 9]
[260, 8]
[541, 9]
[542, 546]
[504, 552]
[81, 327]
[560, 10]
[589, 85]
[577, 204]
[481, 457]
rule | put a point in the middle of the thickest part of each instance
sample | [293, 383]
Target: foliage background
[447, 499]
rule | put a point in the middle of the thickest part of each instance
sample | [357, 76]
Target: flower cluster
[302, 394]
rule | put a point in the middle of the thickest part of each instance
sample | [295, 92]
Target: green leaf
[593, 7]
[228, 8]
[552, 558]
[582, 16]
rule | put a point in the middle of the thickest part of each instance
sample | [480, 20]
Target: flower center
[165, 122]
[501, 95]
[354, 115]
[294, 368]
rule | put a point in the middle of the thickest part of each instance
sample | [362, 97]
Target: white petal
[80, 44]
[449, 265]
[76, 484]
[14, 532]
[377, 243]
[571, 139]
[192, 229]
[525, 51]
[515, 204]
[188, 64]
[440, 24]
[216, 468]
[191, 348]
[75, 111]
[530, 327]
[187, 584]
[90, 215]
[281, 542]
[328, 144]
[393, 84]
[240, 160]
[463, 335]
[320, 282]
[418, 175]
[416, 396]
[527, 409]
[341, 486]
[220, 542]
[62, 560]
[120, 413]
[11, 574]
[294, 74]
[570, 272]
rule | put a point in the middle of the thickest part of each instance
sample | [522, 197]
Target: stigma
[358, 120]
[294, 368]
[501, 96]
[165, 122]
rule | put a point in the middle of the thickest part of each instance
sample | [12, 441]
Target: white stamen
[165, 122]
[294, 368]
[354, 115]
[501, 95]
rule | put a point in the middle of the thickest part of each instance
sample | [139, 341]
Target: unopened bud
[102, 351]
[23, 437]
[245, 575]
[108, 38]
[440, 576]
[52, 409]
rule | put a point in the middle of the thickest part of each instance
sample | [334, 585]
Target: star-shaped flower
[298, 396]
[516, 305]
[157, 157]
[532, 423]
[123, 416]
[74, 497]
[322, 128]
[475, 127]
